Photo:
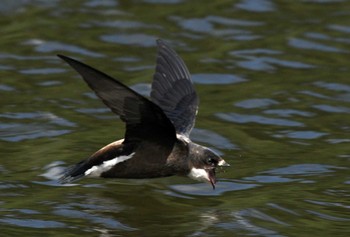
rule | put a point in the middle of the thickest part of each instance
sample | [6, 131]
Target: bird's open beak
[211, 172]
[212, 177]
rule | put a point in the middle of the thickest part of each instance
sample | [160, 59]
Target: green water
[274, 87]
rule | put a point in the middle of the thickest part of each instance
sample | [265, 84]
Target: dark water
[274, 83]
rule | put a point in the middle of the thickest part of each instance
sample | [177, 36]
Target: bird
[157, 136]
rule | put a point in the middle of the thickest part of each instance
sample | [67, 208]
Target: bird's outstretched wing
[173, 90]
[144, 119]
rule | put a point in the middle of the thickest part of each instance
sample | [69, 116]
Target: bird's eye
[211, 161]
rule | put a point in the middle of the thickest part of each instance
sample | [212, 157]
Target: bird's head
[203, 163]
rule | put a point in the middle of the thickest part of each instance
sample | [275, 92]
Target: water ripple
[328, 204]
[123, 24]
[43, 71]
[15, 132]
[130, 39]
[314, 94]
[256, 103]
[33, 223]
[212, 138]
[288, 112]
[256, 5]
[319, 36]
[306, 44]
[332, 108]
[338, 140]
[82, 215]
[72, 211]
[52, 118]
[207, 25]
[303, 169]
[242, 219]
[4, 87]
[16, 186]
[202, 189]
[49, 83]
[98, 3]
[233, 22]
[269, 179]
[326, 216]
[25, 57]
[265, 63]
[53, 46]
[164, 1]
[340, 28]
[44, 125]
[333, 86]
[247, 118]
[218, 79]
[300, 134]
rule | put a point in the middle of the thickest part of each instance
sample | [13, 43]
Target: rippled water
[273, 79]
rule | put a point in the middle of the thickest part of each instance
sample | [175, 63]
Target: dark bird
[156, 142]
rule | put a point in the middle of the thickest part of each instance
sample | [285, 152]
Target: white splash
[97, 170]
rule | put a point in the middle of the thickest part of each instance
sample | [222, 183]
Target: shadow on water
[272, 78]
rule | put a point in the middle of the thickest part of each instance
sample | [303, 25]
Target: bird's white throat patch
[97, 170]
[199, 174]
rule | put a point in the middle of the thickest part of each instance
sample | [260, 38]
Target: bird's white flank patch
[97, 170]
[199, 174]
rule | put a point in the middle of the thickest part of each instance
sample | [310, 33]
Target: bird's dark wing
[173, 90]
[144, 119]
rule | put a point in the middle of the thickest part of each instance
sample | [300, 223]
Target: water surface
[273, 80]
